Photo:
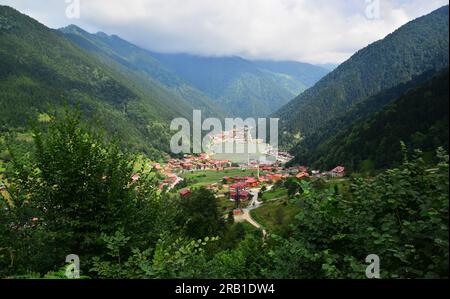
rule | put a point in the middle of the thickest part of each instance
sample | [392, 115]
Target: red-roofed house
[185, 192]
[302, 175]
[243, 195]
[236, 178]
[187, 166]
[275, 177]
[338, 171]
[262, 179]
[237, 212]
[239, 185]
[252, 183]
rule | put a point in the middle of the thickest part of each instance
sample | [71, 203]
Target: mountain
[130, 92]
[304, 73]
[219, 86]
[41, 68]
[419, 116]
[329, 66]
[140, 65]
[244, 88]
[416, 47]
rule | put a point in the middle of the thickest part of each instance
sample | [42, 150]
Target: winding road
[245, 216]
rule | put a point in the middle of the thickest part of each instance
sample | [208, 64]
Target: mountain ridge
[420, 45]
[351, 140]
[250, 88]
[231, 85]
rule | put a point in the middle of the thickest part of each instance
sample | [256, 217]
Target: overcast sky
[315, 31]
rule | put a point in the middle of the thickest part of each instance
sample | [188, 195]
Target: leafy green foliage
[401, 215]
[74, 190]
[123, 230]
[67, 188]
[180, 258]
[200, 215]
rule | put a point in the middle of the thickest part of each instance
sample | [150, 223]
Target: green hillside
[242, 87]
[219, 86]
[416, 47]
[142, 67]
[41, 69]
[419, 117]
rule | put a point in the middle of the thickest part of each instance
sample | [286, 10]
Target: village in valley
[240, 185]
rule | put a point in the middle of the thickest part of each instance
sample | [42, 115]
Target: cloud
[316, 31]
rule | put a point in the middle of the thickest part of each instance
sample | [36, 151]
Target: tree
[78, 187]
[401, 215]
[293, 186]
[200, 215]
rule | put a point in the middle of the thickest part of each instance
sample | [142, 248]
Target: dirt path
[254, 204]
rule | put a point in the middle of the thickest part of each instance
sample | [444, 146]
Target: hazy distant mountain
[304, 73]
[219, 86]
[414, 48]
[244, 88]
[141, 66]
[329, 66]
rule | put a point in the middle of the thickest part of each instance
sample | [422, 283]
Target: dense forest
[415, 112]
[414, 48]
[74, 194]
[41, 70]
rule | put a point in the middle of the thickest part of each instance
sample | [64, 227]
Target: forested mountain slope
[219, 86]
[140, 65]
[419, 117]
[242, 87]
[41, 69]
[414, 48]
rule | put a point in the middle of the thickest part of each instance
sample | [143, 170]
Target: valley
[117, 153]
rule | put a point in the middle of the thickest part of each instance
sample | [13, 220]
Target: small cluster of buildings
[240, 186]
[187, 163]
[270, 174]
[337, 172]
[236, 135]
[200, 162]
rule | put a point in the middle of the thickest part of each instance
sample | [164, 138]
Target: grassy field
[274, 216]
[275, 193]
[207, 177]
[341, 184]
